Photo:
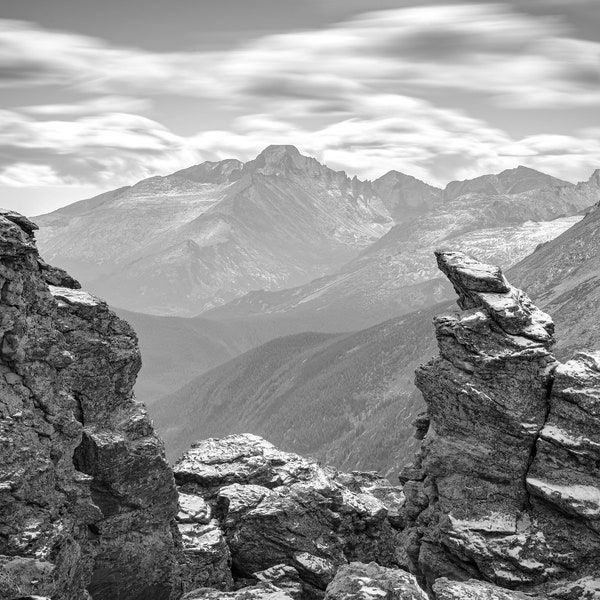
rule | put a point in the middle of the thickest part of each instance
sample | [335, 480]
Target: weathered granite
[284, 577]
[359, 581]
[277, 508]
[505, 487]
[260, 591]
[475, 590]
[206, 560]
[87, 500]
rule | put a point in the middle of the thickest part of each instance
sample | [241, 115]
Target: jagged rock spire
[503, 487]
[479, 285]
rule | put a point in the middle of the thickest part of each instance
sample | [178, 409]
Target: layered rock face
[87, 500]
[505, 487]
[285, 520]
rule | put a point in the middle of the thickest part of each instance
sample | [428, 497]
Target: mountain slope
[202, 236]
[563, 277]
[406, 196]
[347, 399]
[396, 275]
[177, 349]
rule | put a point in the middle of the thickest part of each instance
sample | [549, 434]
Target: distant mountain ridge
[359, 385]
[199, 237]
[563, 277]
[510, 181]
[204, 236]
[395, 274]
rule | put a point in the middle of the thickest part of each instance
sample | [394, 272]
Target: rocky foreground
[87, 499]
[501, 503]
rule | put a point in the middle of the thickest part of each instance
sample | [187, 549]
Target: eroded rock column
[505, 487]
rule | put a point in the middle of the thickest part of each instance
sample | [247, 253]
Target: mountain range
[395, 275]
[202, 236]
[291, 234]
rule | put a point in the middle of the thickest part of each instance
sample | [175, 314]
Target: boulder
[261, 591]
[475, 590]
[284, 577]
[359, 581]
[278, 509]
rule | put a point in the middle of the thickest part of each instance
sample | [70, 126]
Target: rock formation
[505, 487]
[358, 581]
[285, 519]
[87, 500]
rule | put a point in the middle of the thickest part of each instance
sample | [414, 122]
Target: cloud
[352, 94]
[562, 155]
[110, 148]
[490, 49]
[99, 105]
[385, 132]
[27, 175]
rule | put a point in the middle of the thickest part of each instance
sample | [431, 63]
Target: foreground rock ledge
[284, 519]
[506, 487]
[87, 500]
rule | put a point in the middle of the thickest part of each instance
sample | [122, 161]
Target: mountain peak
[595, 178]
[283, 158]
[279, 151]
[510, 181]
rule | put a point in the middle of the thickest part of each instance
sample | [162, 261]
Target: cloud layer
[369, 94]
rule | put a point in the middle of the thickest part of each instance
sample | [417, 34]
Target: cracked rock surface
[277, 510]
[358, 581]
[506, 487]
[87, 500]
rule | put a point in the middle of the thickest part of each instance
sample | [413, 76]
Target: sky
[97, 95]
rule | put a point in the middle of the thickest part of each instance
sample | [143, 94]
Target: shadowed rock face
[505, 487]
[87, 500]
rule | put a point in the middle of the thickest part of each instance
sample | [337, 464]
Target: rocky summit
[505, 486]
[87, 500]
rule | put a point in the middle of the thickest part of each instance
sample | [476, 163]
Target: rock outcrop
[505, 487]
[472, 589]
[87, 500]
[358, 581]
[260, 591]
[285, 519]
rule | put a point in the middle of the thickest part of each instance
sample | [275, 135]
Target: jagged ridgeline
[501, 503]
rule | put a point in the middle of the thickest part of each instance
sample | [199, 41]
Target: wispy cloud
[354, 94]
[99, 105]
[488, 48]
